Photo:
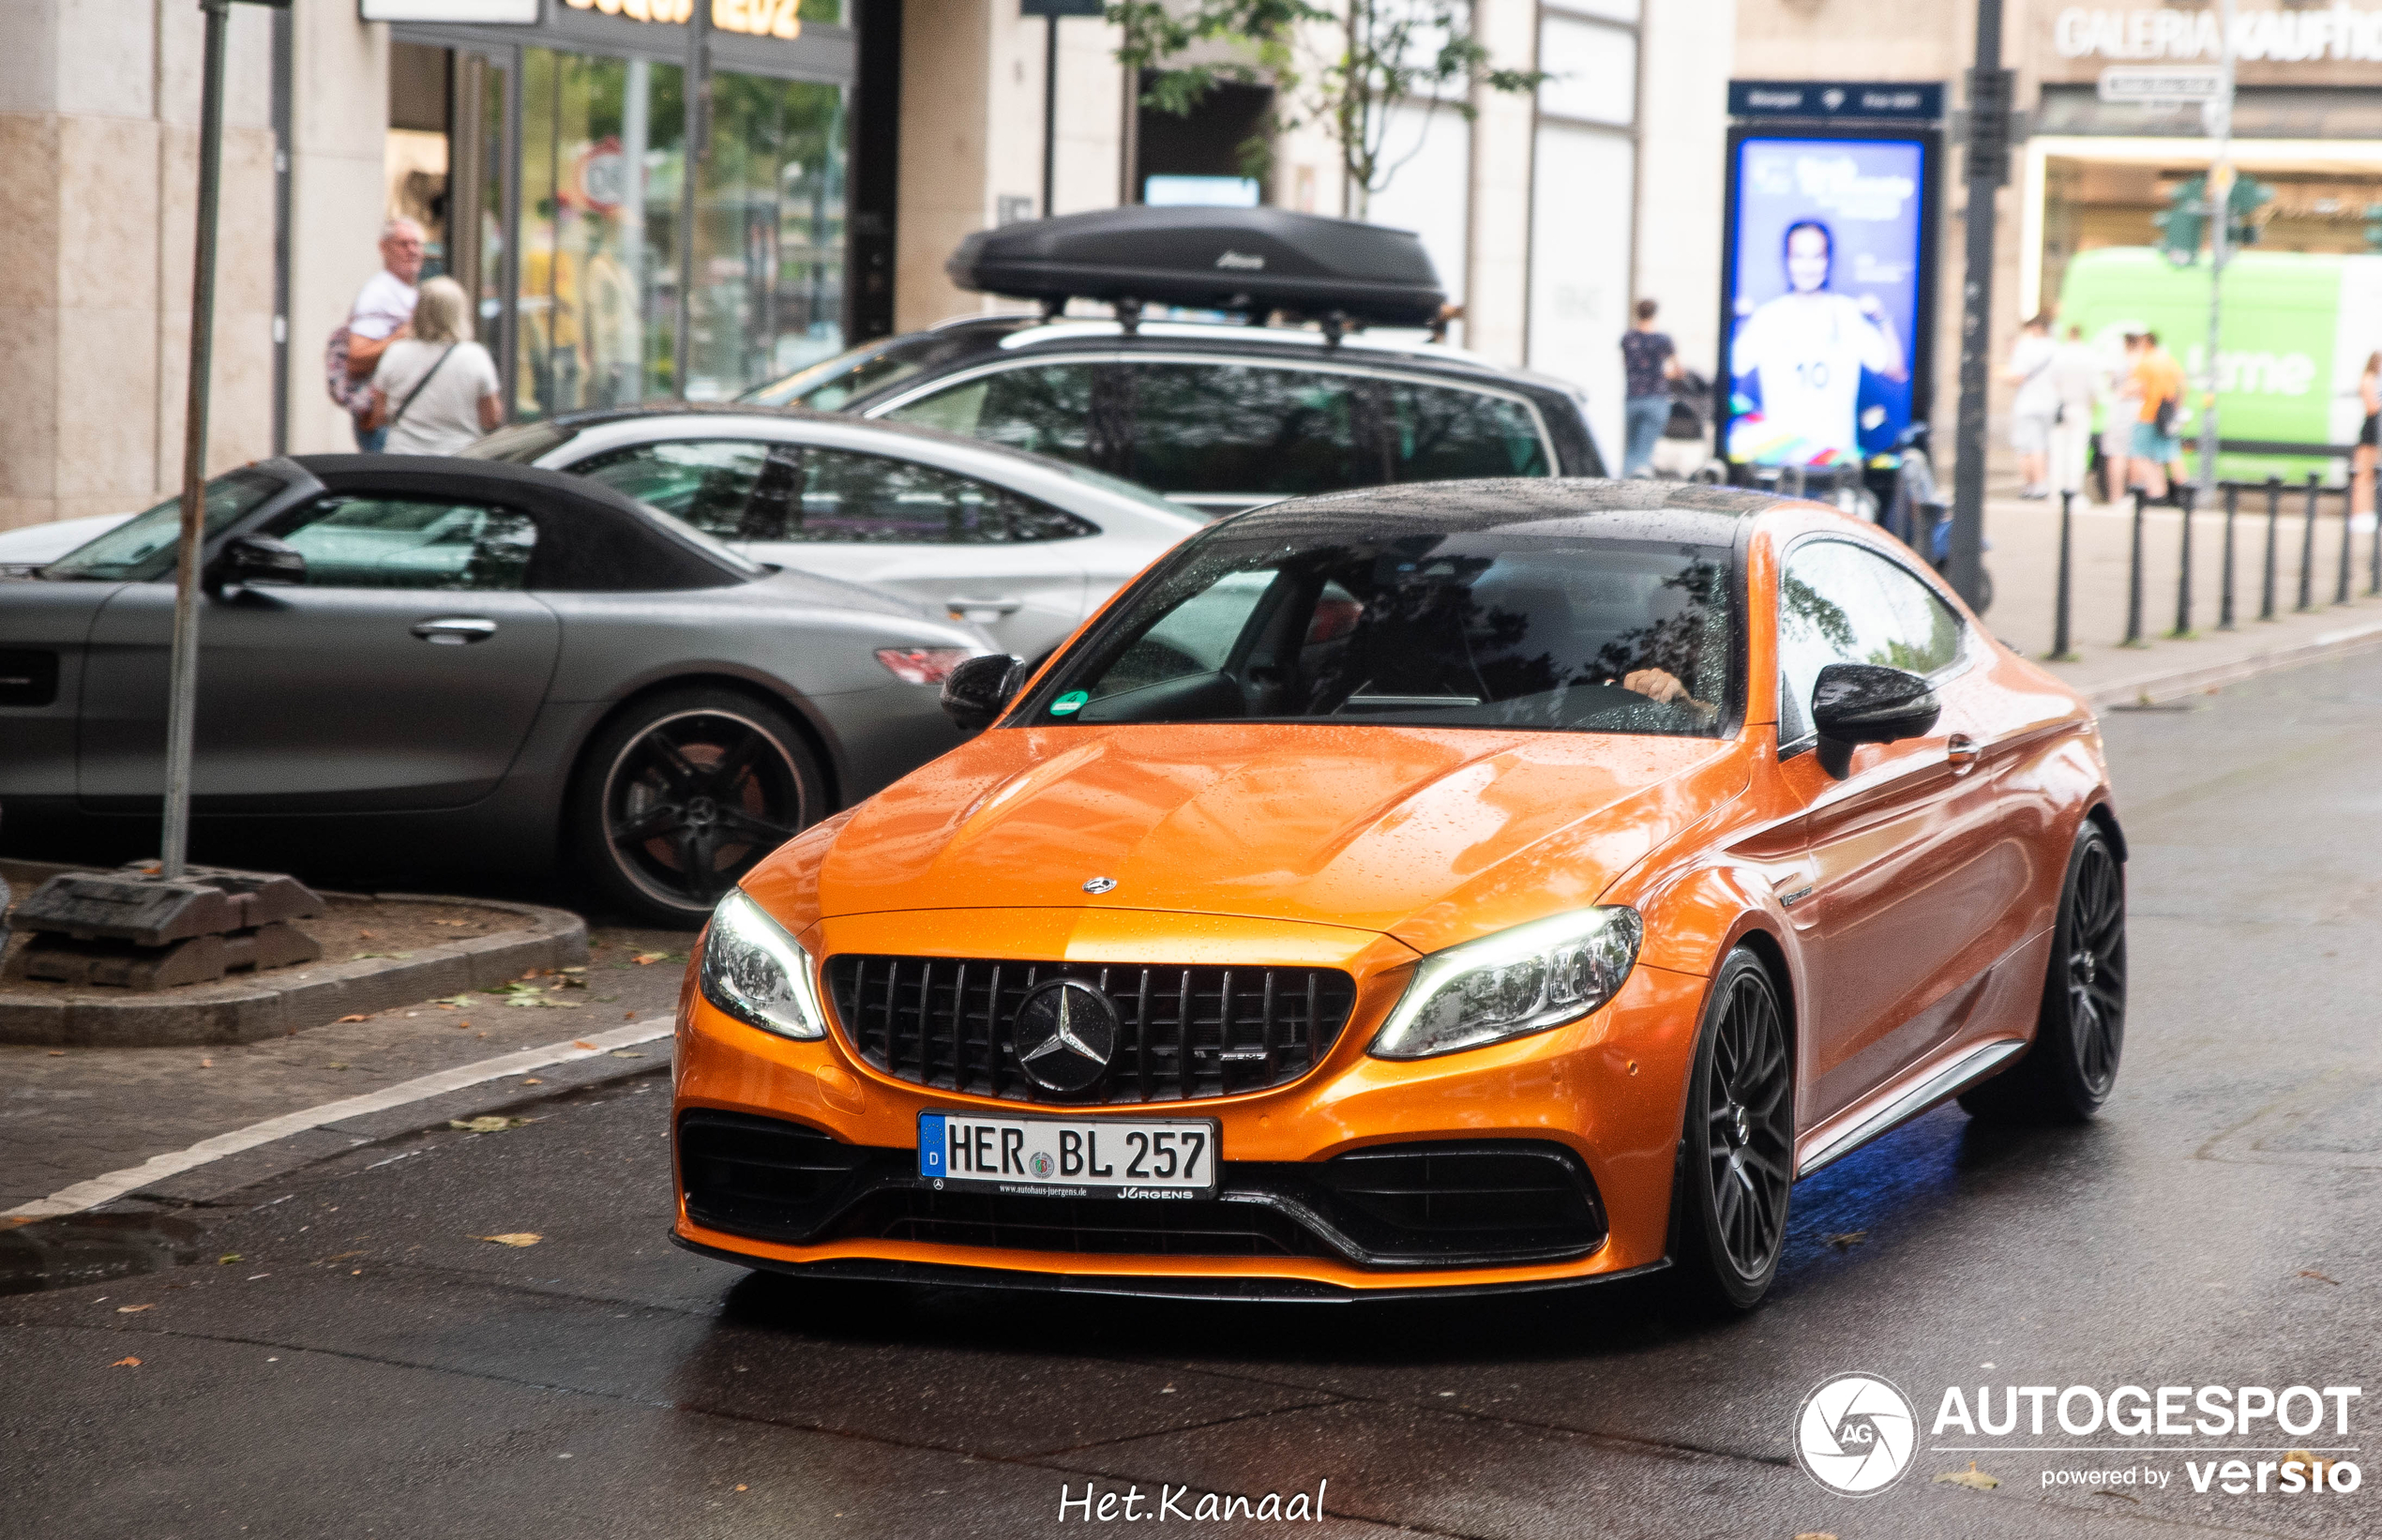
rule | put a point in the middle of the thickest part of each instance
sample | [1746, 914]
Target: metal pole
[183, 700]
[2341, 594]
[2224, 600]
[2374, 556]
[2219, 197]
[1049, 113]
[2183, 567]
[2307, 551]
[2059, 651]
[1988, 167]
[2134, 578]
[695, 92]
[2274, 518]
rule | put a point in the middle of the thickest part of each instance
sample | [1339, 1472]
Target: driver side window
[1838, 603]
[410, 542]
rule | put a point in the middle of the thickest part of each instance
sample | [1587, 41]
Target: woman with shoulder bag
[437, 390]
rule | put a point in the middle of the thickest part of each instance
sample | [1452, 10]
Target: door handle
[998, 607]
[454, 630]
[1962, 752]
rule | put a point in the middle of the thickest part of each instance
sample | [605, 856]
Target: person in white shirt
[436, 390]
[383, 309]
[2080, 382]
[2036, 407]
[1807, 348]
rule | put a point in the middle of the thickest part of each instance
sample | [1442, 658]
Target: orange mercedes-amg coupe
[1460, 887]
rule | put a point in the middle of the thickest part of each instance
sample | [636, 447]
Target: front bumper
[1601, 1098]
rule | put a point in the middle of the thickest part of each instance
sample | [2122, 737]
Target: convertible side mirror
[257, 561]
[980, 689]
[1867, 702]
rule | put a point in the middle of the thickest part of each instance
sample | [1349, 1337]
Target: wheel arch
[2104, 814]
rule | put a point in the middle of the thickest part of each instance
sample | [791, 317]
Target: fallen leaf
[580, 1042]
[358, 1016]
[359, 957]
[1972, 1477]
[206, 1064]
[580, 969]
[461, 1025]
[487, 1125]
[642, 958]
[126, 1364]
[2315, 1468]
[364, 935]
[57, 1053]
[520, 1237]
[450, 922]
[227, 1258]
[628, 1016]
[740, 1486]
[1814, 1534]
[533, 1080]
[342, 1256]
[2311, 1273]
[626, 1053]
[451, 1001]
[2112, 1491]
[133, 1309]
[334, 1064]
[1847, 1239]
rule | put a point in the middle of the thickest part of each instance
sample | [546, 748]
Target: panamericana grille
[1187, 1032]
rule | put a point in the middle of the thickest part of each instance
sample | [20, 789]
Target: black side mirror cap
[257, 561]
[1867, 702]
[976, 692]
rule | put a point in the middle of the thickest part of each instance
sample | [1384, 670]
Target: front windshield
[1530, 626]
[832, 384]
[141, 548]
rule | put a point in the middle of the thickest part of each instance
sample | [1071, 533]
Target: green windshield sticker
[1069, 703]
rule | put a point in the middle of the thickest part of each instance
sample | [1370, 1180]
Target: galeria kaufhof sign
[2338, 32]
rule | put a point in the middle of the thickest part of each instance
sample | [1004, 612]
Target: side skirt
[1941, 1083]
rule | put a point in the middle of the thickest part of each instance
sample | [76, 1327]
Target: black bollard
[2134, 578]
[2341, 594]
[2374, 554]
[2307, 551]
[2224, 597]
[2184, 495]
[2059, 652]
[2274, 519]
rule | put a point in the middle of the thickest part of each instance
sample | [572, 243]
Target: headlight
[1516, 982]
[756, 972]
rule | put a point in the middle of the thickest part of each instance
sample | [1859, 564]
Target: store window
[603, 145]
[769, 255]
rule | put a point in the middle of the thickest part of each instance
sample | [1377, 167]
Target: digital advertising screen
[1827, 281]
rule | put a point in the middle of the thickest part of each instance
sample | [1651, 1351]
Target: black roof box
[1208, 257]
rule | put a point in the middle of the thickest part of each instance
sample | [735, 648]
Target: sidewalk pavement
[2025, 564]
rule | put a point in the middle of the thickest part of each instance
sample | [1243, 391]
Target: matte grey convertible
[469, 660]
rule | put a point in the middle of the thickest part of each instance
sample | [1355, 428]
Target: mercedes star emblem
[1066, 1033]
[1099, 884]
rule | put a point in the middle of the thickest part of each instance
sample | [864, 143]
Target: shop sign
[754, 18]
[2135, 84]
[471, 12]
[2337, 32]
[1909, 100]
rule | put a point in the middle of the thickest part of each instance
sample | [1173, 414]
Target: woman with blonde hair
[437, 390]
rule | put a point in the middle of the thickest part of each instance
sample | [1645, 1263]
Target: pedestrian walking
[383, 310]
[436, 390]
[2036, 407]
[2158, 450]
[2118, 423]
[1650, 363]
[2369, 436]
[2078, 380]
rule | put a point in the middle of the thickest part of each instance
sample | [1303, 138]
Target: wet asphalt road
[366, 1368]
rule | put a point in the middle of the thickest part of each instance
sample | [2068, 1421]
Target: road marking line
[100, 1189]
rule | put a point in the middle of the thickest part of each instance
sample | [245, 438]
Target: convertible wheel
[2073, 1066]
[1737, 1151]
[679, 797]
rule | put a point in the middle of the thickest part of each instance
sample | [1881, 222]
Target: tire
[2069, 1071]
[1736, 1150]
[681, 794]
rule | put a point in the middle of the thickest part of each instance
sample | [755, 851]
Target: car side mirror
[979, 690]
[257, 561]
[1867, 702]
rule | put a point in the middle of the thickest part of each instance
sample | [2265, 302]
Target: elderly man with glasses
[383, 313]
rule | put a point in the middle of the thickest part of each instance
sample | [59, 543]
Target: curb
[2154, 689]
[306, 996]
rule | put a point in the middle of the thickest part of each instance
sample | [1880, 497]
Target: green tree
[1347, 67]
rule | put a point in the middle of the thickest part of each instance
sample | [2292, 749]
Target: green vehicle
[2298, 328]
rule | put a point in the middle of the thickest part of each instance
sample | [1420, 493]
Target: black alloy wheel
[678, 798]
[2080, 1033]
[1737, 1149]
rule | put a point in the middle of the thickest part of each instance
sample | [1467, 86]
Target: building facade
[622, 248]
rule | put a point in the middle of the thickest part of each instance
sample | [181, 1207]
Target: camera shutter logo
[1854, 1434]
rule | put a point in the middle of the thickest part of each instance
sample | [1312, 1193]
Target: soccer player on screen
[1807, 348]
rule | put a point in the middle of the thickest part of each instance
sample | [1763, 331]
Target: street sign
[1907, 101]
[2162, 85]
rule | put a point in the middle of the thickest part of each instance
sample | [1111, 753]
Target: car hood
[1428, 835]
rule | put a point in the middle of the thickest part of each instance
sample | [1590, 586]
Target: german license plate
[1070, 1158]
